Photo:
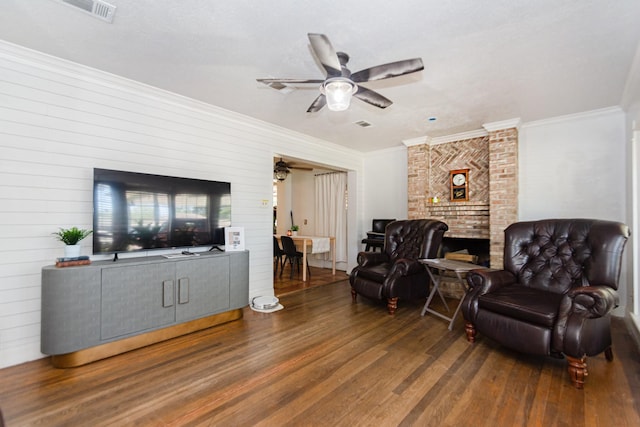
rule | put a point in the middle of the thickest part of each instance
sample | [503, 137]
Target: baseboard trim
[92, 354]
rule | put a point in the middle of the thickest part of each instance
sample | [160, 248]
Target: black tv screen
[135, 211]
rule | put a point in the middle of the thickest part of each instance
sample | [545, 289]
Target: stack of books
[72, 261]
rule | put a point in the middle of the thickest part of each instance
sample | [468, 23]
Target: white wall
[59, 120]
[284, 206]
[631, 103]
[304, 202]
[385, 189]
[576, 167]
[633, 124]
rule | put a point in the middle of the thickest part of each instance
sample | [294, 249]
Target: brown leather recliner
[556, 292]
[395, 272]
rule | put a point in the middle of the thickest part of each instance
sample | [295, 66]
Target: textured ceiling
[484, 61]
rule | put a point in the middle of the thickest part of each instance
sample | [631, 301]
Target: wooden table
[307, 242]
[460, 269]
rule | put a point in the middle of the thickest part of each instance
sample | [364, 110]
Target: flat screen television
[137, 212]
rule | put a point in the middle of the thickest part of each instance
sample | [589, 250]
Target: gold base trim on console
[102, 351]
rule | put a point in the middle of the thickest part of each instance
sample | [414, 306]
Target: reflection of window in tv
[147, 209]
[191, 206]
[224, 209]
[104, 205]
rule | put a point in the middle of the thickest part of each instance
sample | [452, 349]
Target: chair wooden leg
[577, 370]
[354, 295]
[608, 354]
[392, 305]
[471, 332]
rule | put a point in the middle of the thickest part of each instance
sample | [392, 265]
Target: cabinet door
[137, 298]
[203, 287]
[70, 309]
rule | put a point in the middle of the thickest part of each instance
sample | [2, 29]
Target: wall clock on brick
[459, 184]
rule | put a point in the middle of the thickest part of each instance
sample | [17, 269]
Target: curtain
[331, 210]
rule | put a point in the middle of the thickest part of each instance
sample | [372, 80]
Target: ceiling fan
[340, 84]
[281, 169]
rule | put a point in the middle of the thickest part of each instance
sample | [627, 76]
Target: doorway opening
[295, 203]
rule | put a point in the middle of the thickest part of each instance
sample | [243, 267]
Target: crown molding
[479, 133]
[417, 141]
[504, 124]
[575, 116]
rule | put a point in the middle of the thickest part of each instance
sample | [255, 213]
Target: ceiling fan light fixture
[280, 171]
[338, 91]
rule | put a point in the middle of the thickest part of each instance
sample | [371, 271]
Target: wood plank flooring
[285, 284]
[323, 361]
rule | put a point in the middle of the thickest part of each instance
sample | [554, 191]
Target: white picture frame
[233, 239]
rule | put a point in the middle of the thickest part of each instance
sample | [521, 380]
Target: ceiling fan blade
[290, 81]
[326, 54]
[371, 97]
[385, 71]
[317, 105]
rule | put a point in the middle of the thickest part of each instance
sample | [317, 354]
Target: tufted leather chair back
[557, 255]
[413, 238]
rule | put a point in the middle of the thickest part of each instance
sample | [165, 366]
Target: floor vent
[363, 123]
[96, 8]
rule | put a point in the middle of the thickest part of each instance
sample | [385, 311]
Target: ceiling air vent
[97, 8]
[281, 87]
[363, 123]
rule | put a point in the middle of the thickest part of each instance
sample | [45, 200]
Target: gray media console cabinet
[106, 308]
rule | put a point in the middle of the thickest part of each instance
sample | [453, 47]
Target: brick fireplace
[491, 155]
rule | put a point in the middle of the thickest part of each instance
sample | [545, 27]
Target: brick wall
[503, 193]
[428, 175]
[418, 189]
[493, 186]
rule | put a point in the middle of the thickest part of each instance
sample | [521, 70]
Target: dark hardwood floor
[323, 361]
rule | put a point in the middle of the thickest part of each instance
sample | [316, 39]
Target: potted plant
[294, 230]
[71, 237]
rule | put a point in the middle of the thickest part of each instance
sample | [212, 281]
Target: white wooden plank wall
[59, 120]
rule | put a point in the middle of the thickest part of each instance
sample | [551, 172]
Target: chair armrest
[482, 282]
[406, 267]
[590, 301]
[485, 281]
[366, 259]
[576, 308]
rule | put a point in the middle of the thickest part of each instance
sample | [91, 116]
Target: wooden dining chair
[292, 254]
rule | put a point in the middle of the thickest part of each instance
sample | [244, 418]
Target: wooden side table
[441, 265]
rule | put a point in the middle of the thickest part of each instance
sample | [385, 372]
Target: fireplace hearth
[477, 247]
